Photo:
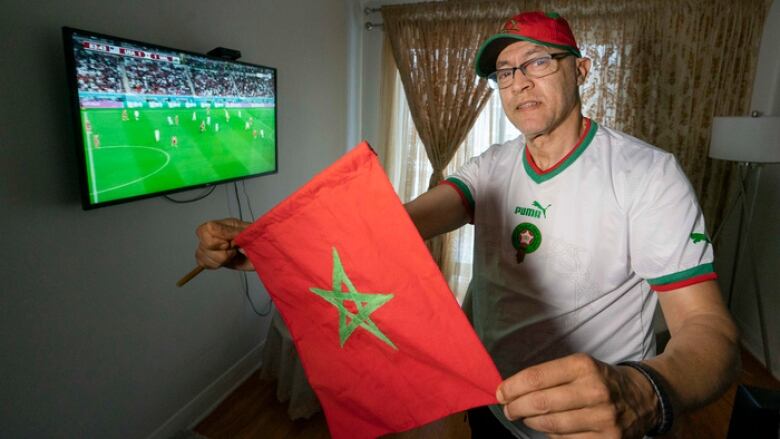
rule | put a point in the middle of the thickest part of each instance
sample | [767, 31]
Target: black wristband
[667, 414]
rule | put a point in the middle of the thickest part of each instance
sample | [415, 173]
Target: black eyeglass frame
[493, 77]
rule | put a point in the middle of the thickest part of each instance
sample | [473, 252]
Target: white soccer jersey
[613, 219]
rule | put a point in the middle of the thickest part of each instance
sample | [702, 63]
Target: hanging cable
[238, 202]
[208, 192]
[245, 278]
[248, 200]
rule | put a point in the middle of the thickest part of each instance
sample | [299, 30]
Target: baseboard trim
[209, 398]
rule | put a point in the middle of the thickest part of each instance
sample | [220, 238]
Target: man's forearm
[700, 361]
[437, 211]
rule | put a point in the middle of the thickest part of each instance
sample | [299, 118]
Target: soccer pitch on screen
[136, 152]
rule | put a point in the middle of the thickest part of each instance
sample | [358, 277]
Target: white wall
[96, 341]
[765, 231]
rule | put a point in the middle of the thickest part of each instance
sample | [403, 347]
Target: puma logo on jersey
[530, 211]
[543, 209]
[699, 237]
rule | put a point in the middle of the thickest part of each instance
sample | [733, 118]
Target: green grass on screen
[127, 160]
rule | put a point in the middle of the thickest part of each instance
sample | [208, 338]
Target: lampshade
[746, 139]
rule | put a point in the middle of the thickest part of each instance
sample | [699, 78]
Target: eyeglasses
[533, 68]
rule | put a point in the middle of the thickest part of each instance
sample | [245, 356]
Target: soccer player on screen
[137, 114]
[174, 141]
[125, 117]
[96, 141]
[203, 126]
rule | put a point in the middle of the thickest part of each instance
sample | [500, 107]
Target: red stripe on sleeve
[684, 283]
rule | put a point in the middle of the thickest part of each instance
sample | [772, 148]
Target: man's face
[536, 106]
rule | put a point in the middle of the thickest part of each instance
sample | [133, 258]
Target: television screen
[153, 120]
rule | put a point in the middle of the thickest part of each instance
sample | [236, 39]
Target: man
[579, 231]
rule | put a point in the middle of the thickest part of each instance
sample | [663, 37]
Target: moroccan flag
[381, 337]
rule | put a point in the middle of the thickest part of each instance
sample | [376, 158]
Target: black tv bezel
[75, 109]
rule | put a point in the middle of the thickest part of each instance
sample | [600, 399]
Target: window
[409, 171]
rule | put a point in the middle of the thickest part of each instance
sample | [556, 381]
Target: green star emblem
[364, 303]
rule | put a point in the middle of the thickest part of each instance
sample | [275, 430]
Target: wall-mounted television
[152, 120]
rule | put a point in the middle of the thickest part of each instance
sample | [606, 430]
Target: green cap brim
[489, 50]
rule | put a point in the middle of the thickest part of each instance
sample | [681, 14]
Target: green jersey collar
[540, 176]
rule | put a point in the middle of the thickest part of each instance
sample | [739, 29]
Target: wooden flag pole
[187, 277]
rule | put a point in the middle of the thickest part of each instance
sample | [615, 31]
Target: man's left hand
[580, 397]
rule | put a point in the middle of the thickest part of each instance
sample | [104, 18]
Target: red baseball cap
[543, 28]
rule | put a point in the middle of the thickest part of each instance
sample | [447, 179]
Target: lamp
[752, 142]
[746, 139]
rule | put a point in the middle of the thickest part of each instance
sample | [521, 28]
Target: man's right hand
[216, 247]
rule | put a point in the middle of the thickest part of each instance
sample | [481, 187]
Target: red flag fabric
[383, 341]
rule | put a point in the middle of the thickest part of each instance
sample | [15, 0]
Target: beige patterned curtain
[662, 69]
[433, 45]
